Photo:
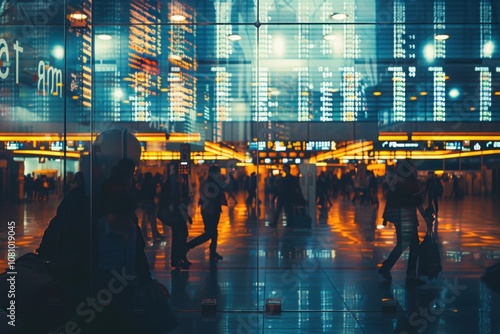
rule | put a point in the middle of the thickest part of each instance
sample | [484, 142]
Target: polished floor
[325, 277]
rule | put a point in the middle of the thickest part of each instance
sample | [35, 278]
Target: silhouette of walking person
[403, 200]
[212, 198]
[175, 200]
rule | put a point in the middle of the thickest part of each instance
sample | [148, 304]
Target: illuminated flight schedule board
[292, 146]
[203, 63]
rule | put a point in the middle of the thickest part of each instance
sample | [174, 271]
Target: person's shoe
[186, 262]
[386, 274]
[216, 257]
[179, 265]
[414, 281]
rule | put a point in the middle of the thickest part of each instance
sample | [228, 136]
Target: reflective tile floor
[325, 277]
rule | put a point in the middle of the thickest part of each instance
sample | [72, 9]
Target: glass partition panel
[170, 108]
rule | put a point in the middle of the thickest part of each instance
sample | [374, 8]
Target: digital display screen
[292, 146]
[385, 62]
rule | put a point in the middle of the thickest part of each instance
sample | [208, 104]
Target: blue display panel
[180, 65]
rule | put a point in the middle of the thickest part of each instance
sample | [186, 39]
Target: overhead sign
[399, 145]
[492, 145]
[293, 146]
[469, 145]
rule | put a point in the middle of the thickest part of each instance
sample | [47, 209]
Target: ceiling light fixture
[104, 37]
[177, 18]
[441, 37]
[77, 19]
[234, 37]
[339, 16]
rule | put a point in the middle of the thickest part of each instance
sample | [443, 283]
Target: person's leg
[436, 206]
[151, 217]
[411, 269]
[174, 250]
[277, 213]
[144, 223]
[202, 238]
[289, 214]
[214, 235]
[396, 252]
[183, 234]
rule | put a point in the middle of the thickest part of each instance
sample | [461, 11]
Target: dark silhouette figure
[252, 200]
[372, 188]
[232, 187]
[347, 185]
[434, 189]
[175, 200]
[403, 200]
[66, 243]
[28, 186]
[322, 190]
[118, 247]
[455, 189]
[289, 195]
[148, 193]
[212, 198]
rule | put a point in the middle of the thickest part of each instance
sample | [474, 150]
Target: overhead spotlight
[177, 18]
[454, 93]
[104, 37]
[339, 16]
[77, 19]
[441, 37]
[234, 37]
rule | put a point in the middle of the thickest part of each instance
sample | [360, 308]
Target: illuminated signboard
[483, 145]
[14, 145]
[293, 146]
[399, 145]
[280, 161]
[453, 146]
[467, 145]
[320, 145]
[492, 145]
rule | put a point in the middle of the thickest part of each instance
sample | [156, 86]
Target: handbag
[429, 257]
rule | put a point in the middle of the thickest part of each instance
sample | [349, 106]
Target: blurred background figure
[148, 194]
[434, 189]
[174, 201]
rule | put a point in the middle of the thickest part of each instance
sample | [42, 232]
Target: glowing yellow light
[177, 18]
[377, 93]
[339, 16]
[392, 136]
[77, 15]
[441, 37]
[423, 93]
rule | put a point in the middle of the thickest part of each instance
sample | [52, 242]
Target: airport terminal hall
[249, 166]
